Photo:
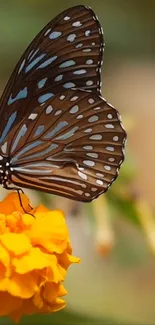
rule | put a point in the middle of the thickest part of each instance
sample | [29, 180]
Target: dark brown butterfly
[58, 134]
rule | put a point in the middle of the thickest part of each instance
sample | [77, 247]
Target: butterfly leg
[18, 189]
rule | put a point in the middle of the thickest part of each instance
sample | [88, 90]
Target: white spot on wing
[59, 77]
[99, 182]
[71, 38]
[97, 108]
[67, 64]
[49, 109]
[74, 98]
[32, 116]
[115, 138]
[87, 33]
[67, 18]
[4, 147]
[68, 85]
[109, 126]
[81, 71]
[110, 148]
[88, 147]
[93, 118]
[89, 61]
[74, 109]
[77, 24]
[58, 112]
[93, 189]
[79, 116]
[96, 137]
[89, 163]
[89, 83]
[62, 97]
[21, 66]
[47, 32]
[78, 45]
[92, 154]
[55, 35]
[82, 175]
[91, 100]
[86, 50]
[79, 192]
[111, 159]
[87, 194]
[88, 130]
[99, 175]
[107, 168]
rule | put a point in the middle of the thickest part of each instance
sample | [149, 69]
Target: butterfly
[58, 134]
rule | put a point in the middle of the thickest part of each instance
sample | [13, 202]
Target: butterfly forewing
[72, 145]
[66, 53]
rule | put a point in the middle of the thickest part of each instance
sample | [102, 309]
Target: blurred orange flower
[35, 253]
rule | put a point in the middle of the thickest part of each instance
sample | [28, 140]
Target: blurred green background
[115, 235]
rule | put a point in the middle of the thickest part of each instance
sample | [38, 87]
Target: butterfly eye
[59, 135]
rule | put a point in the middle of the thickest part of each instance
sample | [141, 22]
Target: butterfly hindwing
[66, 53]
[72, 145]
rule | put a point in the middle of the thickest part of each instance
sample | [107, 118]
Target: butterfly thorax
[5, 171]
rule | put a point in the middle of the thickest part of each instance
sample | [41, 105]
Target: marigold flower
[35, 253]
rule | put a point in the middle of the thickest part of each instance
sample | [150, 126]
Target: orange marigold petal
[41, 209]
[62, 291]
[11, 203]
[62, 271]
[4, 284]
[54, 273]
[4, 257]
[50, 292]
[24, 286]
[27, 308]
[50, 231]
[73, 259]
[16, 243]
[3, 271]
[65, 260]
[27, 220]
[2, 223]
[13, 221]
[8, 303]
[16, 222]
[35, 260]
[58, 305]
[38, 300]
[54, 246]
